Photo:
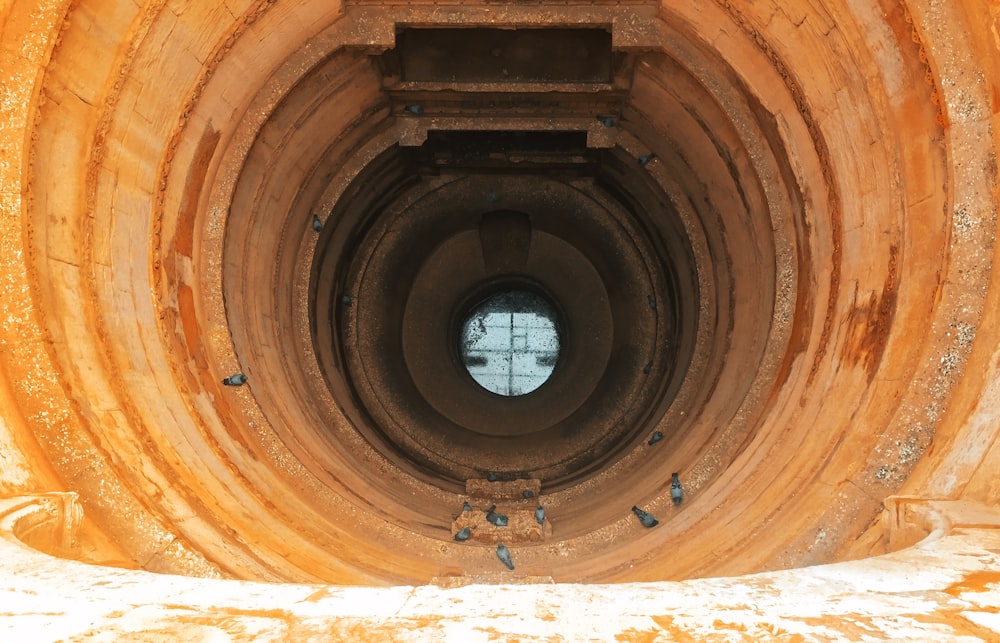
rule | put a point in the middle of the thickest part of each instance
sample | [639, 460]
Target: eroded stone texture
[945, 588]
[831, 166]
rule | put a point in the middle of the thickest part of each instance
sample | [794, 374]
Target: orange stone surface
[821, 349]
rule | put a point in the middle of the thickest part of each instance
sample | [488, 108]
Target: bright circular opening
[510, 342]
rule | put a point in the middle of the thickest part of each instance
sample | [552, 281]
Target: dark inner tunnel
[580, 208]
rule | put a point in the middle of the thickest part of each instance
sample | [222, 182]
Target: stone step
[490, 578]
[503, 489]
[509, 498]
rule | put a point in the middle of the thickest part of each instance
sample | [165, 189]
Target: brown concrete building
[292, 292]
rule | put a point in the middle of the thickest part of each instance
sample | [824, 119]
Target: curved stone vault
[767, 230]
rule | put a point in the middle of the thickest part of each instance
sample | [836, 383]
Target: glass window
[510, 342]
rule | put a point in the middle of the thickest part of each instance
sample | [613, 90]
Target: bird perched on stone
[317, 224]
[466, 506]
[656, 437]
[607, 121]
[540, 514]
[504, 555]
[415, 109]
[528, 493]
[645, 159]
[463, 534]
[676, 490]
[500, 520]
[236, 379]
[646, 519]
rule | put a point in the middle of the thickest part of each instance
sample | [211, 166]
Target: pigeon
[500, 520]
[656, 437]
[466, 506]
[492, 477]
[415, 109]
[646, 519]
[645, 159]
[317, 224]
[237, 379]
[463, 534]
[607, 121]
[540, 514]
[504, 555]
[528, 493]
[676, 490]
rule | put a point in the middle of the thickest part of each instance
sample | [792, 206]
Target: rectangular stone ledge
[412, 132]
[502, 489]
[509, 498]
[496, 578]
[374, 23]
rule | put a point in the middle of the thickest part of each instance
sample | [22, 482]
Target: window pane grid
[510, 343]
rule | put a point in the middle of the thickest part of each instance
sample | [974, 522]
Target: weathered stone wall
[833, 165]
